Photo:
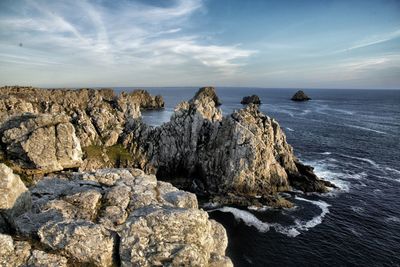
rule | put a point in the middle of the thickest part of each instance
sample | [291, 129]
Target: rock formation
[244, 154]
[112, 217]
[14, 197]
[253, 99]
[300, 96]
[68, 121]
[41, 143]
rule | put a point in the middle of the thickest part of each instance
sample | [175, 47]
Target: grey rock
[300, 96]
[13, 253]
[43, 259]
[45, 143]
[253, 99]
[158, 237]
[84, 242]
[15, 198]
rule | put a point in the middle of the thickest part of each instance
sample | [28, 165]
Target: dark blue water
[351, 137]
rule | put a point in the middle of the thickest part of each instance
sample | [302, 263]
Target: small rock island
[253, 99]
[300, 96]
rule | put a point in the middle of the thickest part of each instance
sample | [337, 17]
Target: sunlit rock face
[244, 154]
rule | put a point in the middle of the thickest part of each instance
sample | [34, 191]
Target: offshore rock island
[83, 180]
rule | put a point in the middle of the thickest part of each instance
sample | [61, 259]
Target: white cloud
[126, 33]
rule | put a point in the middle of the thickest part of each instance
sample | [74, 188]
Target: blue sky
[260, 43]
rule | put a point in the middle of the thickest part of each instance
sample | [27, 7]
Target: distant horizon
[197, 87]
[156, 43]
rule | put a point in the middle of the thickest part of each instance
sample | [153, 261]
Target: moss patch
[117, 154]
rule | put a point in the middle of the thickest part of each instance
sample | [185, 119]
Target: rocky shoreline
[79, 167]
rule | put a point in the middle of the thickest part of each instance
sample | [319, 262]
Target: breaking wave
[292, 230]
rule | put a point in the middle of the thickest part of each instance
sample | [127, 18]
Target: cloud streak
[125, 33]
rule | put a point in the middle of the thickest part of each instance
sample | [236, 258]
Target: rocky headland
[84, 180]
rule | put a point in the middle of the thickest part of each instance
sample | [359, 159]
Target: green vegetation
[116, 153]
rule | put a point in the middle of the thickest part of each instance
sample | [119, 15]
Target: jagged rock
[82, 216]
[42, 143]
[98, 115]
[41, 258]
[13, 253]
[253, 99]
[146, 100]
[245, 153]
[15, 198]
[159, 234]
[207, 93]
[85, 242]
[300, 96]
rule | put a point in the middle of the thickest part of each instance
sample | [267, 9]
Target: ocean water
[351, 137]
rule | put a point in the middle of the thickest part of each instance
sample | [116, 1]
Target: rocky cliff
[244, 154]
[47, 130]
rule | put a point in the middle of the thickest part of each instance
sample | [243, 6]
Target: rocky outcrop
[145, 100]
[15, 198]
[253, 99]
[87, 118]
[41, 143]
[208, 93]
[300, 96]
[244, 154]
[116, 217]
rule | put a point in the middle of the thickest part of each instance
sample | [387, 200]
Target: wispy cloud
[124, 33]
[372, 40]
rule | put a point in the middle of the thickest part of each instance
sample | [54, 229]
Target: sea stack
[300, 96]
[253, 99]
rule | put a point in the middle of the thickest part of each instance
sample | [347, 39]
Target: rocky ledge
[110, 217]
[300, 96]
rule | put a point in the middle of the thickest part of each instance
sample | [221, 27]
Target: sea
[352, 138]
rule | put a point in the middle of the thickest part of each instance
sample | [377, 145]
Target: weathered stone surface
[13, 253]
[207, 93]
[15, 198]
[83, 241]
[45, 143]
[300, 96]
[244, 154]
[43, 259]
[146, 100]
[156, 237]
[83, 216]
[253, 99]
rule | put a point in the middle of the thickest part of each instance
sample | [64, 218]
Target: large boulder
[159, 234]
[41, 143]
[97, 218]
[300, 96]
[15, 198]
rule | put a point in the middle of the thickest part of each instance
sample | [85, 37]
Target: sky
[146, 43]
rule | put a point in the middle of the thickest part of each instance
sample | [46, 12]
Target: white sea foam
[392, 170]
[247, 217]
[292, 230]
[370, 161]
[357, 209]
[392, 219]
[289, 129]
[305, 225]
[326, 153]
[321, 169]
[364, 128]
